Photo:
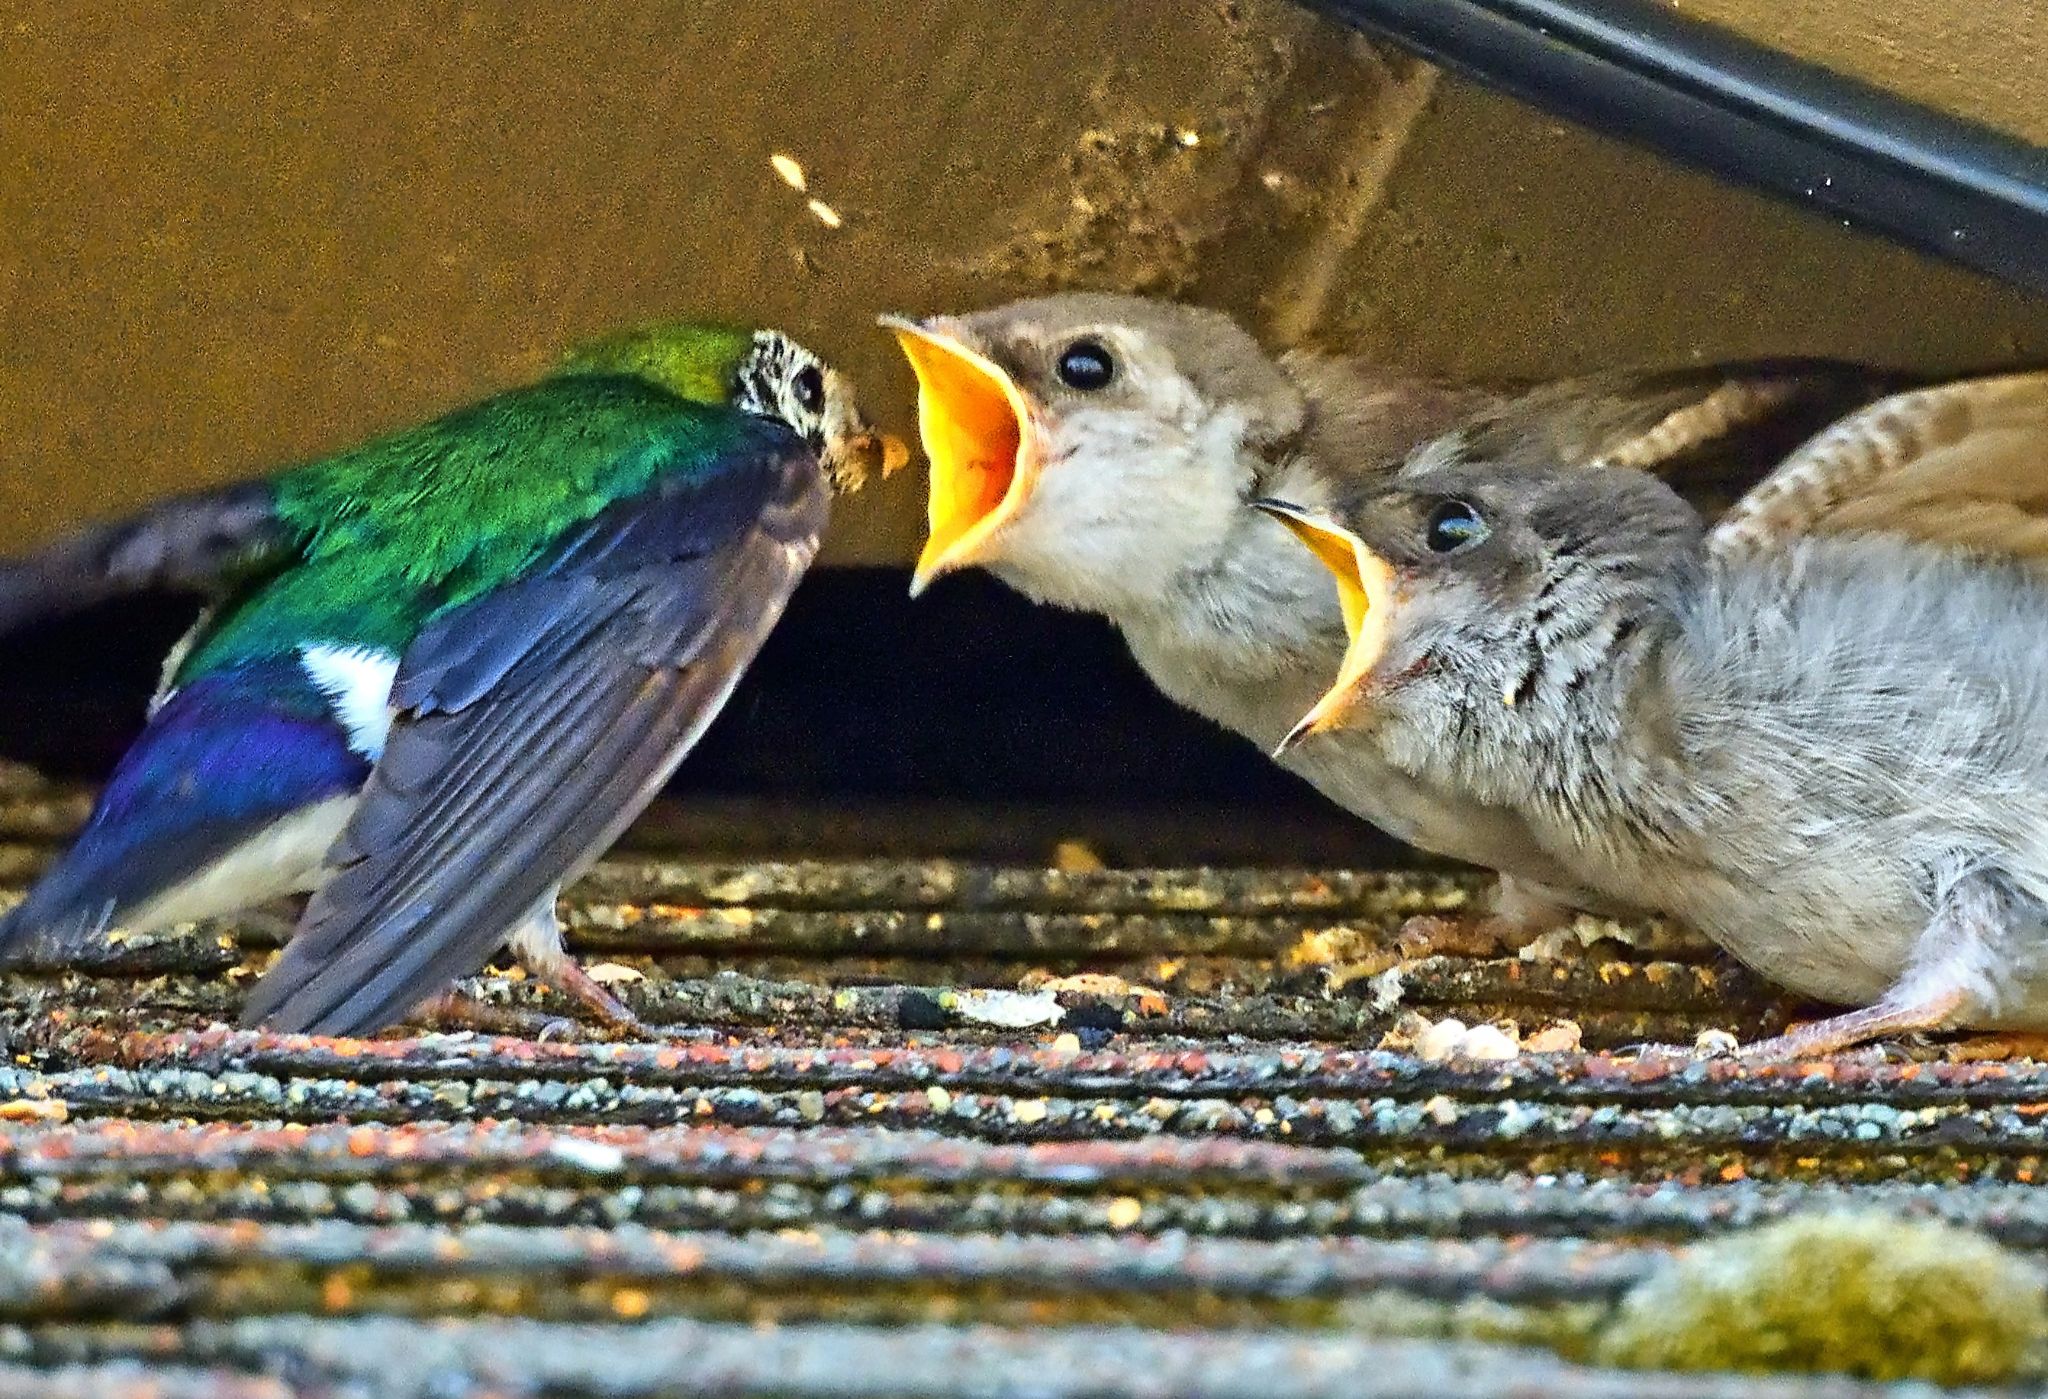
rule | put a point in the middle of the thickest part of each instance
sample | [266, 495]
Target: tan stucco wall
[230, 241]
[1986, 60]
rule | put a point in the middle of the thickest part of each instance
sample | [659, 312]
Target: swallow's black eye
[810, 389]
[1452, 526]
[1086, 365]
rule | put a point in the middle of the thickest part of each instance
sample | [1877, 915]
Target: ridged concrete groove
[936, 1129]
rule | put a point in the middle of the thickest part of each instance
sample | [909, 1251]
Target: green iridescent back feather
[428, 518]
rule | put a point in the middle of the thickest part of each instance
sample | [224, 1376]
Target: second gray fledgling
[1817, 733]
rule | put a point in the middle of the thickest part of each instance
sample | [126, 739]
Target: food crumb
[1564, 1037]
[1488, 1042]
[1441, 1040]
[1716, 1042]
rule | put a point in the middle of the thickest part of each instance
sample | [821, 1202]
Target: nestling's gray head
[1086, 448]
[1471, 588]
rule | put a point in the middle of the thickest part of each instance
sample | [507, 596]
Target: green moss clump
[1861, 1294]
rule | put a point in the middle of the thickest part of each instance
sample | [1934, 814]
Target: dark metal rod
[1702, 96]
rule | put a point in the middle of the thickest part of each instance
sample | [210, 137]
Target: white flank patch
[357, 682]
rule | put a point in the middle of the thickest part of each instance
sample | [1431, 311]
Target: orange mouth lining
[1365, 591]
[972, 422]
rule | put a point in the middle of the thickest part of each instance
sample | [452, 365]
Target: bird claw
[565, 977]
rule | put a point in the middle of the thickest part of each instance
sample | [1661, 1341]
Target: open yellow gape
[1365, 590]
[975, 426]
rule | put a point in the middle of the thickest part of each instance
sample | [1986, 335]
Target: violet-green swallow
[442, 671]
[1098, 452]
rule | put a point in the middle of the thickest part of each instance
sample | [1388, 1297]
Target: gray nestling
[1817, 732]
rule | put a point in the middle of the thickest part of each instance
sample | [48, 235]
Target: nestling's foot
[1900, 1016]
[1518, 917]
[1999, 1046]
[1443, 935]
[1711, 1044]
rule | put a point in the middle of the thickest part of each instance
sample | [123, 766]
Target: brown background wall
[228, 241]
[1982, 59]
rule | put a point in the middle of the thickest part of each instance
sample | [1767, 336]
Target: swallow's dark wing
[1962, 464]
[204, 543]
[532, 724]
[1712, 432]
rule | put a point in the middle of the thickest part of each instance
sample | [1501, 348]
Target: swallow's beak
[976, 429]
[1365, 590]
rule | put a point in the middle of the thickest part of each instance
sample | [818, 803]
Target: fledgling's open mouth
[1366, 592]
[976, 429]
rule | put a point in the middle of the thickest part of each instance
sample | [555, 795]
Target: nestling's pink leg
[1955, 975]
[1838, 1032]
[2001, 1045]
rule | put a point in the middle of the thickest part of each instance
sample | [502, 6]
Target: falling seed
[826, 214]
[792, 173]
[1124, 1211]
[1188, 137]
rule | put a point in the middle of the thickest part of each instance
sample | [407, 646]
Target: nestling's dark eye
[810, 389]
[1453, 525]
[1086, 365]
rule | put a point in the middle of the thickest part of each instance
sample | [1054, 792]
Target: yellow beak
[976, 429]
[1366, 592]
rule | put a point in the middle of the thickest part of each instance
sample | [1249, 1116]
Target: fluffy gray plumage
[1136, 510]
[1830, 756]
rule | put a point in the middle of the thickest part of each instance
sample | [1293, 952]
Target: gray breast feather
[1858, 720]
